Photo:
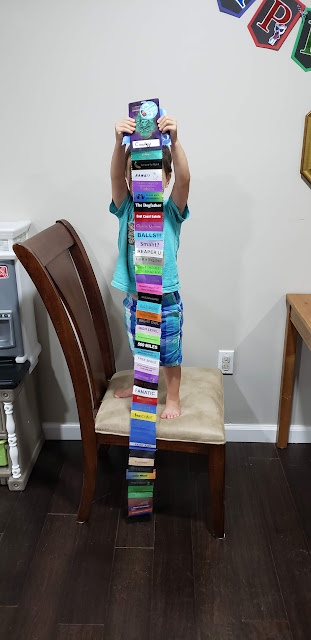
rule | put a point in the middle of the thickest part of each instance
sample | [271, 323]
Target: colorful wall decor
[235, 7]
[146, 158]
[273, 22]
[302, 47]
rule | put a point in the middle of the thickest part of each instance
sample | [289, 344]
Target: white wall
[68, 69]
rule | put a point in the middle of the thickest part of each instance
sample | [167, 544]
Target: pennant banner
[235, 7]
[302, 48]
[146, 158]
[273, 22]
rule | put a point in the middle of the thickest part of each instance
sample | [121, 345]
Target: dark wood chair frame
[57, 263]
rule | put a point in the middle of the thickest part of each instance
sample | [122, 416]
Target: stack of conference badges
[146, 155]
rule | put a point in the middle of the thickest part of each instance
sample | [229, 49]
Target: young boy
[175, 211]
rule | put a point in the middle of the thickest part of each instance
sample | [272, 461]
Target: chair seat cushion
[202, 408]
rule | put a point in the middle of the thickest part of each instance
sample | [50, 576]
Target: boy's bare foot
[172, 409]
[123, 393]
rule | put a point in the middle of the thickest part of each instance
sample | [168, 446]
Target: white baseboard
[234, 432]
[265, 433]
[58, 431]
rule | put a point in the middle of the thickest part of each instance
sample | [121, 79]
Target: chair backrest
[61, 271]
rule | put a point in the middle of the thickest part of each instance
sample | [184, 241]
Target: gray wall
[68, 69]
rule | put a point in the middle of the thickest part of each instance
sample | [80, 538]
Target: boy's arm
[180, 189]
[117, 170]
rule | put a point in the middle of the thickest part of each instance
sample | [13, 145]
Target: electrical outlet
[225, 361]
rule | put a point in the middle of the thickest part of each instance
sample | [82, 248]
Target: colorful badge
[235, 7]
[148, 259]
[273, 22]
[146, 135]
[302, 48]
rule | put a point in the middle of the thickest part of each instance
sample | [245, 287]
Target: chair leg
[216, 467]
[89, 479]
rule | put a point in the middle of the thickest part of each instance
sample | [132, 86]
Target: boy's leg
[171, 351]
[172, 319]
[172, 377]
[129, 304]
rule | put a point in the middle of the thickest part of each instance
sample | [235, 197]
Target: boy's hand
[168, 123]
[127, 125]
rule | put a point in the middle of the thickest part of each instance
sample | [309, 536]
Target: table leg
[12, 440]
[287, 382]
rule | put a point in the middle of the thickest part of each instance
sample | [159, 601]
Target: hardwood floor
[115, 578]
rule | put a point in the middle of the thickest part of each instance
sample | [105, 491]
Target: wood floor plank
[296, 454]
[80, 632]
[261, 450]
[234, 578]
[130, 595]
[137, 531]
[296, 463]
[7, 616]
[86, 592]
[8, 500]
[172, 608]
[173, 503]
[265, 630]
[66, 497]
[21, 535]
[199, 462]
[254, 630]
[44, 584]
[290, 553]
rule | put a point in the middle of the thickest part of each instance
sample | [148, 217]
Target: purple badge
[148, 279]
[146, 114]
[146, 185]
[146, 377]
[148, 226]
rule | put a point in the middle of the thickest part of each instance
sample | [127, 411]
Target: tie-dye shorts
[171, 327]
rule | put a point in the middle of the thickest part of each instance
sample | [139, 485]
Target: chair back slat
[65, 277]
[94, 298]
[57, 263]
[49, 243]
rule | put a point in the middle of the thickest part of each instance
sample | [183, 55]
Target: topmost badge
[235, 7]
[147, 134]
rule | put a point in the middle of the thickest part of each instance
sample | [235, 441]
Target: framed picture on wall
[305, 168]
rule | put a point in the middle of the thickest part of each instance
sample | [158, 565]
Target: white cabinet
[20, 425]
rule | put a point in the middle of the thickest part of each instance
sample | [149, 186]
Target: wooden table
[298, 321]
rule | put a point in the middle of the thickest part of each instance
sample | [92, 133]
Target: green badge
[151, 154]
[140, 489]
[141, 494]
[148, 269]
[147, 338]
[144, 127]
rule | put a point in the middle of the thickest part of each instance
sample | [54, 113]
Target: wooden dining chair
[57, 263]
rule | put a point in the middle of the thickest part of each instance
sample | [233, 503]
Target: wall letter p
[271, 15]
